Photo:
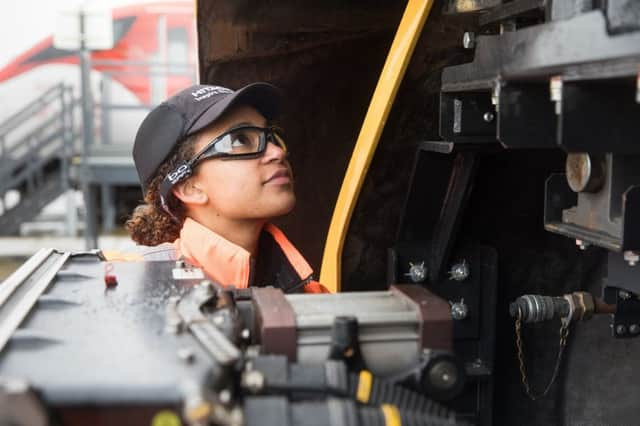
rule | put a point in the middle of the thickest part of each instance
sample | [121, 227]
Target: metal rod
[90, 234]
[12, 316]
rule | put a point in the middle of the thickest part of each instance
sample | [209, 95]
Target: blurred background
[76, 79]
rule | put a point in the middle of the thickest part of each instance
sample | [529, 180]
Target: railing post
[90, 232]
[66, 114]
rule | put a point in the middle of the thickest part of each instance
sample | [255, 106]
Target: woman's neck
[244, 233]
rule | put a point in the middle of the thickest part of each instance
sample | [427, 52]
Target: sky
[25, 22]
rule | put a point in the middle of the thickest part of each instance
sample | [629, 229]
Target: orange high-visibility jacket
[278, 263]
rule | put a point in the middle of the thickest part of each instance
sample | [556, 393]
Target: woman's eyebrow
[244, 123]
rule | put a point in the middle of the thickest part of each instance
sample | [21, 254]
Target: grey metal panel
[546, 49]
[388, 328]
[87, 344]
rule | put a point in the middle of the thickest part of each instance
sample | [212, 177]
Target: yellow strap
[391, 415]
[409, 30]
[364, 386]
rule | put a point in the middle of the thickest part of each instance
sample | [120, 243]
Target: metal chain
[564, 334]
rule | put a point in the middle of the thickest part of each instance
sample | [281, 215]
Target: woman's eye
[240, 140]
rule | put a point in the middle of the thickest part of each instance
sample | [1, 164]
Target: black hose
[383, 392]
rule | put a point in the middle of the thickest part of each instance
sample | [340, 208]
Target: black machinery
[91, 342]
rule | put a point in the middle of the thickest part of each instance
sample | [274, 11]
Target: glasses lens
[241, 141]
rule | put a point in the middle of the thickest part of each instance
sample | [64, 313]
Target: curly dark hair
[150, 224]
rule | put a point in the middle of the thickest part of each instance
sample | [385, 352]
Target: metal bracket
[210, 337]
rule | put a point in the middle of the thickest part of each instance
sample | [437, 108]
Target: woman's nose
[273, 151]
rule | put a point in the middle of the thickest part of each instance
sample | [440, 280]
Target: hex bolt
[459, 271]
[459, 310]
[621, 329]
[245, 334]
[634, 329]
[488, 116]
[469, 40]
[417, 272]
[631, 257]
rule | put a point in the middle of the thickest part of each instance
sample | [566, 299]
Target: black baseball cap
[189, 111]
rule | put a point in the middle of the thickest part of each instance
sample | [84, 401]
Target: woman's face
[256, 188]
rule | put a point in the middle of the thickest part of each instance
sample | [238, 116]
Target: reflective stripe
[391, 415]
[364, 386]
[293, 255]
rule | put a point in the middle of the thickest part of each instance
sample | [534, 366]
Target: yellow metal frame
[411, 24]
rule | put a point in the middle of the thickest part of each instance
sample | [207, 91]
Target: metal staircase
[36, 146]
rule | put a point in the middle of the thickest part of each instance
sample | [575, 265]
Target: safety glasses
[238, 143]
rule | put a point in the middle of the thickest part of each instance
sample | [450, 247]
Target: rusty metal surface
[275, 322]
[436, 327]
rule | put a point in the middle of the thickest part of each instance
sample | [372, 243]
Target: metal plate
[86, 344]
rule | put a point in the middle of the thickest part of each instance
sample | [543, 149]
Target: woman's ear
[190, 192]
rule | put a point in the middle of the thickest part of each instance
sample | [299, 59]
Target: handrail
[400, 53]
[31, 108]
[28, 151]
[9, 181]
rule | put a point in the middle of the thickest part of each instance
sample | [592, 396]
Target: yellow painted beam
[411, 24]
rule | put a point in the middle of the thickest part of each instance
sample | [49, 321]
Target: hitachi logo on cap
[208, 91]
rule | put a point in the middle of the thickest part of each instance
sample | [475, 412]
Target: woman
[214, 171]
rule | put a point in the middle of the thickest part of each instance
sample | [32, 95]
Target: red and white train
[154, 55]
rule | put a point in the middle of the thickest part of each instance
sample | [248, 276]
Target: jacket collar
[226, 262]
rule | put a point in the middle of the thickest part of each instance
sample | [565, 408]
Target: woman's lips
[281, 177]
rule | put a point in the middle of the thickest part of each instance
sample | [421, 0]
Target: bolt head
[488, 117]
[225, 396]
[631, 257]
[582, 245]
[417, 272]
[459, 310]
[459, 271]
[253, 381]
[634, 329]
[621, 329]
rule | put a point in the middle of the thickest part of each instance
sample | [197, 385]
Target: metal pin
[469, 40]
[555, 89]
